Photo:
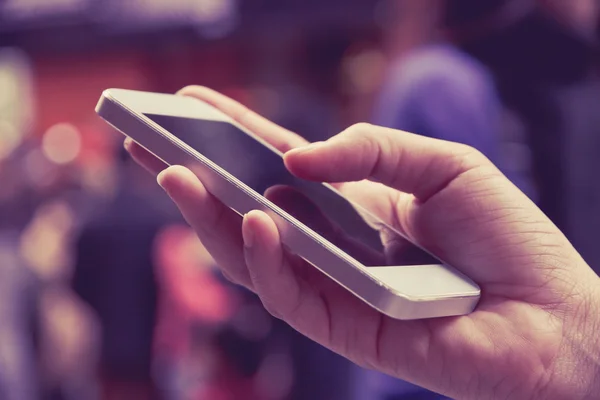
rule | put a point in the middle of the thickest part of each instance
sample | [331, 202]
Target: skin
[533, 334]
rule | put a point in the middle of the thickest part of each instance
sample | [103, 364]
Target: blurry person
[492, 78]
[37, 216]
[435, 89]
[19, 292]
[115, 274]
[513, 79]
[65, 331]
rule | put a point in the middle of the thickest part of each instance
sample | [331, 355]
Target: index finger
[279, 137]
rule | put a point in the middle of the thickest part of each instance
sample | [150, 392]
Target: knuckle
[462, 158]
[372, 138]
[468, 155]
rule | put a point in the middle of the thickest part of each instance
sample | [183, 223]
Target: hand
[533, 334]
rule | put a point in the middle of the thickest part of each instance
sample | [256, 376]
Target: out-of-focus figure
[47, 335]
[19, 288]
[115, 275]
[19, 378]
[491, 79]
[436, 89]
[66, 332]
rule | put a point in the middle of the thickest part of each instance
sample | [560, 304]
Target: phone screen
[314, 204]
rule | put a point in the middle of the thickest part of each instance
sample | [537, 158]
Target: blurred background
[104, 291]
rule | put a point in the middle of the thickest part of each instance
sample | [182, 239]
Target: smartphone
[316, 222]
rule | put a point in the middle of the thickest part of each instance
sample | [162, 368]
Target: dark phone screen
[312, 203]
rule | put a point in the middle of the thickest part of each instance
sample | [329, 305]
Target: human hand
[533, 332]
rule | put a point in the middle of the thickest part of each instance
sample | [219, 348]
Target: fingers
[278, 282]
[267, 265]
[143, 157]
[279, 137]
[410, 163]
[218, 228]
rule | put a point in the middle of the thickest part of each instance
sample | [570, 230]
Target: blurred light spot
[10, 138]
[61, 215]
[8, 83]
[35, 8]
[44, 243]
[61, 143]
[579, 15]
[200, 11]
[16, 94]
[365, 70]
[210, 10]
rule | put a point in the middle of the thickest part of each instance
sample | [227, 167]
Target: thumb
[407, 162]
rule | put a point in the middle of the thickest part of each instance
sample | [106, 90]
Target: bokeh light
[61, 143]
[10, 138]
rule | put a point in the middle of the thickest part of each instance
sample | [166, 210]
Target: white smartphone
[316, 222]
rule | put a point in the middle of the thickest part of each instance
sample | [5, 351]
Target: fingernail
[160, 179]
[307, 148]
[248, 236]
[127, 143]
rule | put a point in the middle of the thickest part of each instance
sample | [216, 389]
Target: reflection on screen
[314, 204]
